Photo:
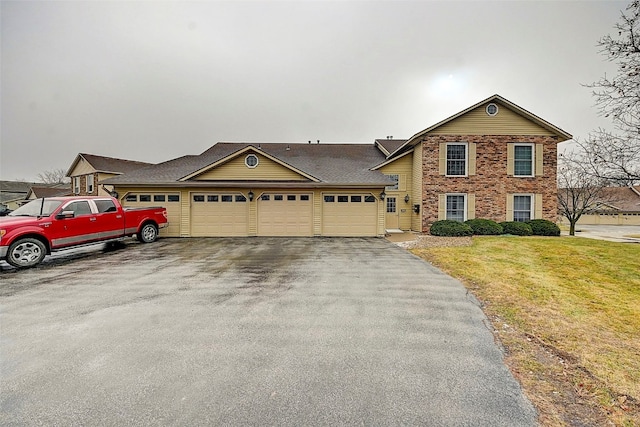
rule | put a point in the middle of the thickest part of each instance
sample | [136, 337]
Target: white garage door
[170, 201]
[219, 215]
[285, 214]
[349, 215]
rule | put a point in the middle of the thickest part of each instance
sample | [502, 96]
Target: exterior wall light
[383, 195]
[250, 195]
[406, 198]
[416, 208]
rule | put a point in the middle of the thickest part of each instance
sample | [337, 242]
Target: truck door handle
[93, 218]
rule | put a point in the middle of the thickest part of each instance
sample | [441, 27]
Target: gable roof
[107, 164]
[623, 199]
[326, 164]
[496, 99]
[49, 191]
[388, 146]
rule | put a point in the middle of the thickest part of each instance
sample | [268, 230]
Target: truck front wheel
[148, 233]
[27, 252]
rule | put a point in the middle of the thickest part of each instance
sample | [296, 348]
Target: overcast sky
[152, 81]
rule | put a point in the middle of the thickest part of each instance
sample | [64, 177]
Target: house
[15, 193]
[89, 169]
[44, 191]
[492, 160]
[621, 207]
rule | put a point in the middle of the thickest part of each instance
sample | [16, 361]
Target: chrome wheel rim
[149, 233]
[26, 253]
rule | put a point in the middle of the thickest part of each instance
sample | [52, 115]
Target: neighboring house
[622, 207]
[87, 170]
[12, 193]
[493, 160]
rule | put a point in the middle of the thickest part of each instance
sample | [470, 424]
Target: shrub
[544, 227]
[484, 227]
[450, 228]
[516, 228]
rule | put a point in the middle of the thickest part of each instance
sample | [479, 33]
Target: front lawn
[567, 311]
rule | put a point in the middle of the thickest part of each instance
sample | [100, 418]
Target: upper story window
[251, 161]
[395, 178]
[523, 160]
[456, 159]
[89, 184]
[76, 185]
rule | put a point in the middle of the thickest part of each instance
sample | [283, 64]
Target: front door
[391, 218]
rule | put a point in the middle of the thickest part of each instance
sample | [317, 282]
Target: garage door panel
[349, 215]
[218, 215]
[285, 214]
[170, 201]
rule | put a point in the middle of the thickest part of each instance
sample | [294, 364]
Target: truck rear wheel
[148, 233]
[27, 252]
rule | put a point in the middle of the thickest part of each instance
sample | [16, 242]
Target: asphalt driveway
[258, 331]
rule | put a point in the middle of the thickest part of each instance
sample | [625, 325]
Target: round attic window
[251, 161]
[492, 109]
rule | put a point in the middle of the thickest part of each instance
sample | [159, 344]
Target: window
[455, 208]
[369, 199]
[265, 197]
[329, 199]
[291, 197]
[198, 198]
[391, 204]
[89, 184]
[523, 160]
[173, 197]
[278, 197]
[159, 198]
[227, 199]
[343, 199]
[131, 198]
[522, 208]
[304, 197]
[251, 161]
[492, 109]
[212, 198]
[145, 197]
[456, 159]
[78, 208]
[105, 206]
[241, 198]
[395, 178]
[356, 199]
[76, 185]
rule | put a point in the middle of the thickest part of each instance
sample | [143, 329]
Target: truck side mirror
[66, 215]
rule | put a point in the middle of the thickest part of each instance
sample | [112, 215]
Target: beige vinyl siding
[416, 198]
[403, 167]
[477, 122]
[82, 168]
[235, 169]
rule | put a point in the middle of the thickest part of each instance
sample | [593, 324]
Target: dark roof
[48, 191]
[623, 199]
[15, 186]
[108, 164]
[327, 163]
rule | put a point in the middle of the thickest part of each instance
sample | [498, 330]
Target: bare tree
[616, 155]
[579, 191]
[54, 176]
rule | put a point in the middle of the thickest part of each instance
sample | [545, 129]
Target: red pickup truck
[35, 229]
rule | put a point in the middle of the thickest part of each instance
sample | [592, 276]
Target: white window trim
[465, 198]
[532, 206]
[246, 161]
[466, 159]
[533, 159]
[89, 188]
[393, 187]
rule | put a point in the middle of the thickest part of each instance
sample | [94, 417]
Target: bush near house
[516, 228]
[450, 228]
[543, 227]
[484, 227]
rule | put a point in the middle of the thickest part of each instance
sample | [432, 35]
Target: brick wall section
[490, 184]
[83, 185]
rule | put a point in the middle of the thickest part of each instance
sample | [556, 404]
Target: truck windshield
[34, 207]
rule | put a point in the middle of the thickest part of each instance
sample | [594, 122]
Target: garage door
[218, 215]
[285, 214]
[170, 201]
[349, 215]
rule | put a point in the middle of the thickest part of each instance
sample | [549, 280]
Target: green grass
[576, 295]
